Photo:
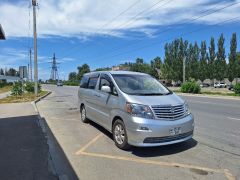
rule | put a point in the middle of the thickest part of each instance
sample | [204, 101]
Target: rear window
[84, 82]
[92, 82]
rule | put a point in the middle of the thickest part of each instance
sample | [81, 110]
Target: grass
[212, 93]
[219, 93]
[26, 97]
[5, 89]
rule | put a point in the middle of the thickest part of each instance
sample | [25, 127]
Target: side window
[92, 83]
[106, 81]
[84, 82]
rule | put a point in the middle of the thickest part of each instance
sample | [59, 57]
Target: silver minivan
[136, 108]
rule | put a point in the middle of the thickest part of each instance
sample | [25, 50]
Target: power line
[111, 21]
[164, 41]
[140, 13]
[184, 23]
[133, 18]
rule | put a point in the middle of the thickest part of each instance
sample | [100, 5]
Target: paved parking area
[23, 146]
[93, 155]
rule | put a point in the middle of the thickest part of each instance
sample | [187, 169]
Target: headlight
[139, 110]
[187, 111]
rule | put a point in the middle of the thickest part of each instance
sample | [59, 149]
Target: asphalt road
[213, 153]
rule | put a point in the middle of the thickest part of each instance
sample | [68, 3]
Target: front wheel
[120, 135]
[83, 114]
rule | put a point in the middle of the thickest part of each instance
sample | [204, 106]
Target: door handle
[97, 95]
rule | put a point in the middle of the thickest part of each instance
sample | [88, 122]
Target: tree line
[9, 72]
[201, 62]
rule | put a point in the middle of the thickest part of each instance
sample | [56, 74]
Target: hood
[171, 99]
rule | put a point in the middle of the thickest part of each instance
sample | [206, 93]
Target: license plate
[175, 131]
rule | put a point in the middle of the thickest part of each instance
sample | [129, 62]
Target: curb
[210, 96]
[40, 98]
[40, 122]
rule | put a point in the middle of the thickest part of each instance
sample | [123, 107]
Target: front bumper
[151, 132]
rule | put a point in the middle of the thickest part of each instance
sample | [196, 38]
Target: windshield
[136, 84]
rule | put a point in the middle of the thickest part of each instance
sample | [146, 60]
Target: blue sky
[92, 32]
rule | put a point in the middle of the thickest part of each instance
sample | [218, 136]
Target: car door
[90, 98]
[106, 102]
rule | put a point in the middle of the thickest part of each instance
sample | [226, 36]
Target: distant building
[120, 68]
[23, 72]
[2, 35]
[9, 78]
[115, 68]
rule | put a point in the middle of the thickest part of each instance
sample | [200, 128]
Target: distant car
[220, 85]
[59, 83]
[204, 85]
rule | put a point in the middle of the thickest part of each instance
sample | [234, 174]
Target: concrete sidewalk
[3, 95]
[24, 150]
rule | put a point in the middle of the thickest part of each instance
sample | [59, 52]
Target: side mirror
[106, 89]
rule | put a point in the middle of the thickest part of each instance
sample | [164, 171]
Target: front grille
[169, 112]
[167, 138]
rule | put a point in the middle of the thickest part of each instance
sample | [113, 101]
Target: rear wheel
[83, 114]
[120, 135]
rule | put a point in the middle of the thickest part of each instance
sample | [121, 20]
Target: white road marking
[233, 118]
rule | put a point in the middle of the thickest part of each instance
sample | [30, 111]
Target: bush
[29, 87]
[17, 89]
[236, 89]
[2, 84]
[190, 87]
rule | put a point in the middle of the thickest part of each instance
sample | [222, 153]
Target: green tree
[220, 63]
[12, 72]
[233, 64]
[72, 76]
[141, 67]
[82, 70]
[167, 70]
[103, 69]
[139, 61]
[212, 58]
[238, 65]
[192, 64]
[1, 71]
[156, 65]
[203, 62]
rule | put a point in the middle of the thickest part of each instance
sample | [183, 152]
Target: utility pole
[184, 62]
[34, 3]
[30, 65]
[28, 70]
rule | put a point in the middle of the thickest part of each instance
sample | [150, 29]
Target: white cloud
[84, 18]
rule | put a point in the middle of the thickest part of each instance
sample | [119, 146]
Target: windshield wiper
[151, 94]
[168, 93]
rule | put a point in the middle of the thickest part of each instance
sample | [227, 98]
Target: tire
[83, 114]
[120, 135]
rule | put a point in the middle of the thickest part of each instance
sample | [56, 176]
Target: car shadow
[62, 165]
[24, 149]
[153, 151]
[164, 150]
